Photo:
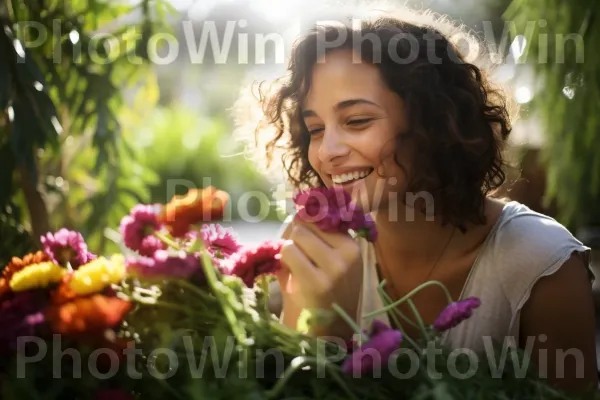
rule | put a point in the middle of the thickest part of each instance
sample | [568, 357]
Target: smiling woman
[389, 109]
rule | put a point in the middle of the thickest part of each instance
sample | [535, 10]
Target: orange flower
[87, 314]
[198, 205]
[15, 265]
[63, 293]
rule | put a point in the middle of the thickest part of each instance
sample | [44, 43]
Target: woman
[391, 111]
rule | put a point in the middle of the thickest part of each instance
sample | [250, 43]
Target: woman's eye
[360, 121]
[315, 131]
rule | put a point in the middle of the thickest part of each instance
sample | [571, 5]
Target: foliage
[560, 37]
[187, 150]
[61, 78]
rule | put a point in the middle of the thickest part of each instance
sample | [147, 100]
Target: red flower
[250, 263]
[198, 205]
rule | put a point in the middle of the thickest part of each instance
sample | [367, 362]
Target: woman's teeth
[350, 176]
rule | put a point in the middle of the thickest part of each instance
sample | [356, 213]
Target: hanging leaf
[7, 164]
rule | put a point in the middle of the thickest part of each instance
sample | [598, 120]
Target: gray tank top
[522, 247]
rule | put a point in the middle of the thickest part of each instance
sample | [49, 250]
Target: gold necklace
[393, 287]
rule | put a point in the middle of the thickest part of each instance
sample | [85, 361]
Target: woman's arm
[561, 311]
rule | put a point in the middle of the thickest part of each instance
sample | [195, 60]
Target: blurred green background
[90, 125]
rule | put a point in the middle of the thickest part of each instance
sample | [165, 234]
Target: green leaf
[7, 165]
[5, 76]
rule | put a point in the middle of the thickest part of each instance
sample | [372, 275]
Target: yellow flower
[36, 276]
[96, 275]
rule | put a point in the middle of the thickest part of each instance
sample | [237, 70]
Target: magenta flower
[21, 315]
[455, 313]
[382, 343]
[250, 263]
[220, 241]
[165, 263]
[138, 227]
[332, 211]
[66, 246]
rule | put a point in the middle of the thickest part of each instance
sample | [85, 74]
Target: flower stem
[264, 286]
[300, 362]
[418, 318]
[389, 300]
[408, 296]
[167, 240]
[211, 277]
[349, 321]
[397, 321]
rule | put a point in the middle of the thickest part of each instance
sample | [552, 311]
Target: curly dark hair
[458, 122]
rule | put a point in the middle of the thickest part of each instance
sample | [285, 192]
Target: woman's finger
[333, 239]
[343, 243]
[311, 245]
[300, 266]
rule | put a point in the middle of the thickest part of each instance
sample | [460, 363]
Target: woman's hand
[319, 269]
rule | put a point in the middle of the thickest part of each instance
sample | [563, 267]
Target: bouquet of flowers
[183, 313]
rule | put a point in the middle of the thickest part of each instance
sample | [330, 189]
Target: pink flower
[165, 263]
[332, 211]
[138, 227]
[455, 313]
[250, 263]
[66, 246]
[219, 240]
[376, 352]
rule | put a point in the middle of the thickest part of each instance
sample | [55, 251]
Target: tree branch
[38, 214]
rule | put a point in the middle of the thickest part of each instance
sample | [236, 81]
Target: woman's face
[353, 119]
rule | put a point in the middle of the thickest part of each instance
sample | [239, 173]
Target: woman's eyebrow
[341, 105]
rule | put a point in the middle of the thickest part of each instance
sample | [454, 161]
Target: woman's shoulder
[522, 233]
[526, 245]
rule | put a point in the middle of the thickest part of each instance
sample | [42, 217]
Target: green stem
[167, 240]
[349, 321]
[389, 300]
[264, 286]
[397, 321]
[408, 296]
[195, 246]
[300, 362]
[412, 306]
[213, 282]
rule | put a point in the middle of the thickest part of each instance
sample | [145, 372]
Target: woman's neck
[410, 235]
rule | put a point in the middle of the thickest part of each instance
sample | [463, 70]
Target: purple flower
[376, 352]
[250, 263]
[138, 227]
[66, 246]
[220, 240]
[20, 315]
[455, 313]
[332, 211]
[165, 263]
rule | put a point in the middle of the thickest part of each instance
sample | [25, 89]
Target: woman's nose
[333, 146]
